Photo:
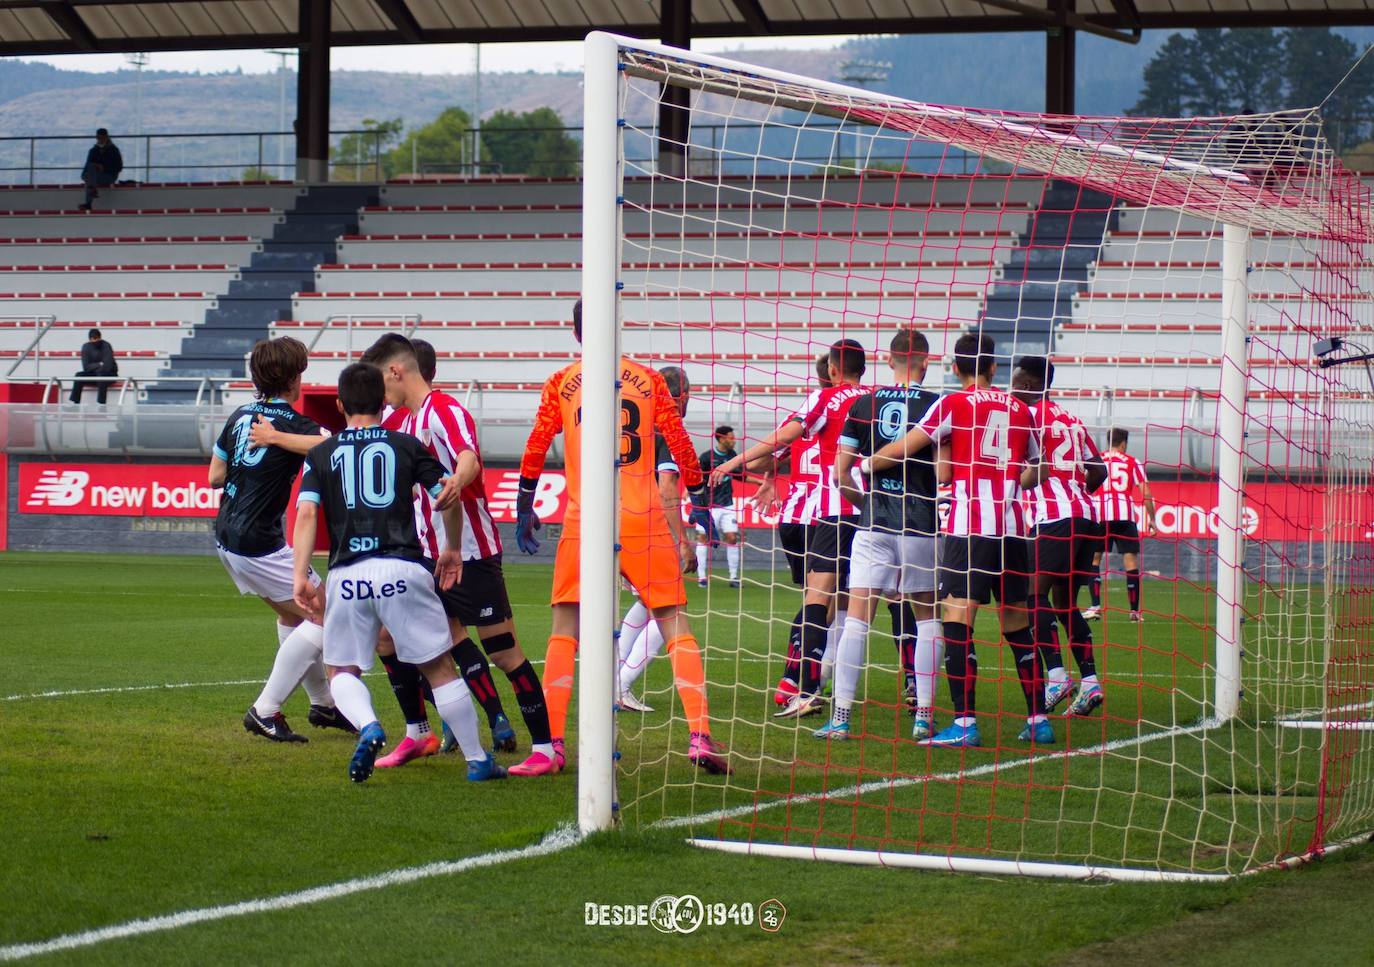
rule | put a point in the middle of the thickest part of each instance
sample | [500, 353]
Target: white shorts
[725, 521]
[377, 592]
[271, 576]
[892, 563]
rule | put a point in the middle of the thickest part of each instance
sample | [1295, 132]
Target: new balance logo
[486, 613]
[59, 488]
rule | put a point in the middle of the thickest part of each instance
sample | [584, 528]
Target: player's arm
[219, 470]
[1148, 499]
[264, 433]
[429, 474]
[303, 539]
[548, 423]
[761, 451]
[845, 459]
[461, 445]
[1094, 468]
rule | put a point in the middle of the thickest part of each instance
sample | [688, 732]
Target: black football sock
[904, 634]
[472, 665]
[529, 695]
[1133, 588]
[792, 670]
[1027, 670]
[1095, 589]
[961, 668]
[1081, 642]
[1046, 637]
[406, 682]
[815, 630]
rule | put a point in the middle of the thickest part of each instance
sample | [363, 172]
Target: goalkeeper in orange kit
[649, 540]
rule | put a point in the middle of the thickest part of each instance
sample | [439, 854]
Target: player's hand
[1150, 529]
[526, 520]
[687, 554]
[303, 592]
[448, 569]
[725, 470]
[765, 499]
[450, 495]
[263, 433]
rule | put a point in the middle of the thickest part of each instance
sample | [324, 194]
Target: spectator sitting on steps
[97, 359]
[103, 165]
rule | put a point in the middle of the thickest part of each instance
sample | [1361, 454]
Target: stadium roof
[85, 26]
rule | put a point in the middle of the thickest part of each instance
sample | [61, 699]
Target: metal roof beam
[406, 25]
[71, 24]
[753, 13]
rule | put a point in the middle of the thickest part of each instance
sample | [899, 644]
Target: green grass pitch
[131, 791]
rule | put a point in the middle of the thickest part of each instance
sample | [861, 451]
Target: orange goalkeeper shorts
[648, 562]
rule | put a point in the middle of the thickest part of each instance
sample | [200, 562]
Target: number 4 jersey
[257, 486]
[363, 479]
[991, 436]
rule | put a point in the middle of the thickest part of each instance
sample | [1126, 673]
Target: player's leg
[728, 528]
[1014, 619]
[631, 627]
[647, 647]
[917, 585]
[506, 654]
[793, 538]
[961, 590]
[300, 642]
[410, 689]
[1094, 582]
[351, 626]
[874, 570]
[1052, 545]
[1130, 560]
[415, 618]
[464, 604]
[704, 544]
[560, 658]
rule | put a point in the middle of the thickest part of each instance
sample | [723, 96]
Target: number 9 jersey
[364, 480]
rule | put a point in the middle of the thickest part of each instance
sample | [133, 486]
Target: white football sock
[1089, 680]
[352, 699]
[646, 650]
[851, 655]
[632, 627]
[1056, 675]
[732, 559]
[833, 634]
[417, 730]
[930, 656]
[299, 650]
[455, 706]
[703, 553]
[284, 632]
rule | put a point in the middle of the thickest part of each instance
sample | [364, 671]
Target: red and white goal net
[1180, 273]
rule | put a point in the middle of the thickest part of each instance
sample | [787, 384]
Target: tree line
[1254, 70]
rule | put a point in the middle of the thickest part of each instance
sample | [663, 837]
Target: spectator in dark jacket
[97, 359]
[103, 165]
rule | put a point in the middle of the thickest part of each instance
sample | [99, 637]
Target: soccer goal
[1182, 274]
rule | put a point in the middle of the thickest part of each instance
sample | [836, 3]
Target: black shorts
[1064, 549]
[978, 568]
[1122, 536]
[792, 537]
[827, 546]
[480, 598]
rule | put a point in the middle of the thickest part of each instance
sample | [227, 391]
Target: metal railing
[714, 149]
[409, 321]
[41, 326]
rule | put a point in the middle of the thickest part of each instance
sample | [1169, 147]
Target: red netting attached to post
[804, 215]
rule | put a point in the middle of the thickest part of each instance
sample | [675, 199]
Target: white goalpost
[1180, 274]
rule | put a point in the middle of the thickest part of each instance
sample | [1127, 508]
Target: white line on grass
[560, 839]
[881, 784]
[114, 690]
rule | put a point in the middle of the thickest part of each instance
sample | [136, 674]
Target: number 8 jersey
[364, 480]
[991, 435]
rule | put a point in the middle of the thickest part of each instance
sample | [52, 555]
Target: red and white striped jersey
[1116, 499]
[823, 424]
[446, 429]
[1065, 448]
[991, 435]
[804, 474]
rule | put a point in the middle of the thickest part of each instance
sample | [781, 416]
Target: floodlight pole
[599, 499]
[1230, 450]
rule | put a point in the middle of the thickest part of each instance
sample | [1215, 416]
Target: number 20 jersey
[257, 486]
[363, 479]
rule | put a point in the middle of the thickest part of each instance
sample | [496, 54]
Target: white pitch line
[115, 690]
[881, 784]
[560, 839]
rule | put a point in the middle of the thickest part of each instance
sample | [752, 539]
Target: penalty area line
[565, 837]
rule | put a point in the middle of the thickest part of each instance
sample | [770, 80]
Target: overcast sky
[426, 59]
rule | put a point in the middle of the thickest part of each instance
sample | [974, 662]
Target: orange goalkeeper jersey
[645, 406]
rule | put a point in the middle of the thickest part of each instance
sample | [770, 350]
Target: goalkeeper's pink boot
[708, 755]
[538, 764]
[409, 750]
